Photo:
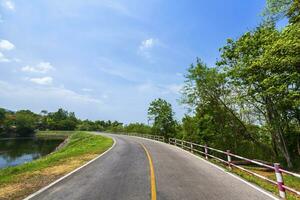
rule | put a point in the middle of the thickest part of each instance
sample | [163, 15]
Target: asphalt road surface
[124, 173]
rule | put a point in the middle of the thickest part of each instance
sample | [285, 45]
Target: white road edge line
[218, 167]
[233, 175]
[69, 174]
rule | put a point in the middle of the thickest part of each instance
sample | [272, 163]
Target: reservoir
[15, 151]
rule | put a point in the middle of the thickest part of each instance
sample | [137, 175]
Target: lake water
[17, 151]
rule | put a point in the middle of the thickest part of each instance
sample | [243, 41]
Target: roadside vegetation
[248, 102]
[291, 181]
[20, 181]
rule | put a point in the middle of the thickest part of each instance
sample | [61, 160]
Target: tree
[25, 122]
[137, 128]
[86, 125]
[2, 119]
[218, 120]
[264, 67]
[161, 115]
[62, 120]
[2, 114]
[278, 9]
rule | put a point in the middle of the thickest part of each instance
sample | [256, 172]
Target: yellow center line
[152, 175]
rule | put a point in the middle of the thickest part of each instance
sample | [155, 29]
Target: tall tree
[26, 122]
[264, 66]
[161, 114]
[217, 120]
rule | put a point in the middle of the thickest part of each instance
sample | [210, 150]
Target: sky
[108, 59]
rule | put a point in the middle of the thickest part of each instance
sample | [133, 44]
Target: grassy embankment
[20, 181]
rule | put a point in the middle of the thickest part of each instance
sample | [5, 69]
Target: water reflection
[17, 151]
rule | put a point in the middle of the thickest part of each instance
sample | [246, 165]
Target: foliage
[263, 65]
[2, 115]
[25, 122]
[278, 9]
[61, 120]
[251, 99]
[137, 128]
[161, 115]
[216, 120]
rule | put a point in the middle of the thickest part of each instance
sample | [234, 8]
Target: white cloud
[147, 44]
[42, 67]
[6, 45]
[47, 80]
[3, 58]
[8, 4]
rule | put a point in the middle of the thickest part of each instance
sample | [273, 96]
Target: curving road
[123, 173]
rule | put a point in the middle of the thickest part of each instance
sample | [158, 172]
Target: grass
[290, 181]
[20, 181]
[54, 133]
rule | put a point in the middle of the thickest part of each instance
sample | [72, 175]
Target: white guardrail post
[279, 180]
[228, 159]
[205, 151]
[193, 148]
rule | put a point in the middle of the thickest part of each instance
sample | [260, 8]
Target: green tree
[62, 120]
[160, 113]
[218, 120]
[263, 65]
[278, 9]
[137, 128]
[86, 125]
[25, 122]
[2, 115]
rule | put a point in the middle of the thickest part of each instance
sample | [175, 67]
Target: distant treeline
[25, 123]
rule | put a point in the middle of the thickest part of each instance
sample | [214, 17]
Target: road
[124, 173]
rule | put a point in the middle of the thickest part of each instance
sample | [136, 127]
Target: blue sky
[108, 59]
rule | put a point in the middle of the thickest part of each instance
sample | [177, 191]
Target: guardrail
[205, 151]
[152, 137]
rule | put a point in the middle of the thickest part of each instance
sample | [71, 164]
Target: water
[20, 150]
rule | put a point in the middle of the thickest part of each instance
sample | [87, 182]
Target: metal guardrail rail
[152, 137]
[204, 150]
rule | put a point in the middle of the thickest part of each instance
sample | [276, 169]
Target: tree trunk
[242, 127]
[277, 131]
[298, 144]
